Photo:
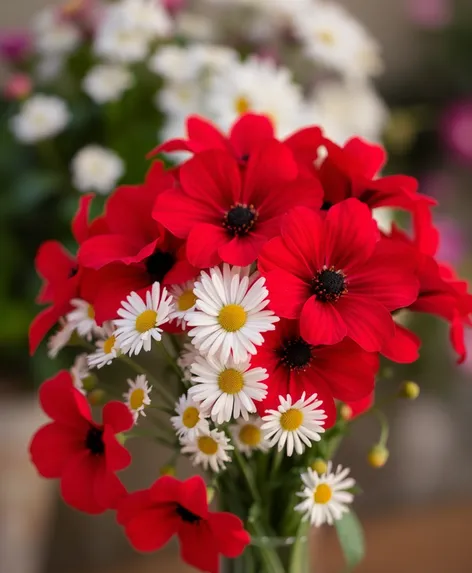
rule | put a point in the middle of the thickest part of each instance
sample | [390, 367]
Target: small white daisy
[59, 339]
[184, 301]
[40, 117]
[107, 348]
[294, 425]
[210, 449]
[248, 436]
[107, 82]
[229, 316]
[140, 320]
[227, 389]
[137, 397]
[187, 357]
[325, 496]
[79, 372]
[95, 168]
[82, 319]
[190, 420]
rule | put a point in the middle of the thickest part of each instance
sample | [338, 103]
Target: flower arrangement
[241, 300]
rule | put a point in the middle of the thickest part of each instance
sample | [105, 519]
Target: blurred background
[418, 508]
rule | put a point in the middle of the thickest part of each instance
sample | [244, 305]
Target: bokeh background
[418, 508]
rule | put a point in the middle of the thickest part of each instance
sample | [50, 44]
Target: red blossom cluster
[299, 209]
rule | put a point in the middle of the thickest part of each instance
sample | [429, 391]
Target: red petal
[305, 144]
[151, 529]
[303, 382]
[204, 135]
[181, 272]
[78, 483]
[80, 223]
[242, 251]
[132, 504]
[369, 157]
[368, 322]
[203, 245]
[229, 533]
[54, 263]
[43, 322]
[170, 146]
[351, 234]
[360, 406]
[64, 403]
[117, 456]
[193, 496]
[403, 347]
[248, 132]
[197, 547]
[166, 489]
[276, 255]
[52, 447]
[118, 416]
[321, 323]
[287, 293]
[109, 489]
[102, 250]
[303, 233]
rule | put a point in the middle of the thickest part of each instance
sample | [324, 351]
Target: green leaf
[351, 538]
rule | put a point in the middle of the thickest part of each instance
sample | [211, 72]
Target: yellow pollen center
[186, 300]
[327, 37]
[90, 312]
[190, 417]
[136, 399]
[109, 344]
[322, 493]
[291, 420]
[242, 105]
[250, 435]
[232, 317]
[230, 381]
[146, 320]
[207, 445]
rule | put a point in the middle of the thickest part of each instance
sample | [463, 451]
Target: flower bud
[319, 466]
[167, 470]
[345, 411]
[97, 397]
[89, 382]
[409, 390]
[378, 456]
[210, 494]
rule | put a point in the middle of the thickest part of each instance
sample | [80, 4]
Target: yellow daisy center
[146, 320]
[207, 445]
[232, 317]
[242, 105]
[190, 417]
[186, 300]
[136, 400]
[231, 381]
[250, 435]
[291, 420]
[91, 312]
[109, 344]
[327, 37]
[323, 493]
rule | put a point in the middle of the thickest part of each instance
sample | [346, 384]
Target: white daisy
[137, 397]
[186, 359]
[140, 320]
[54, 36]
[248, 436]
[96, 168]
[59, 339]
[184, 301]
[107, 348]
[40, 117]
[210, 449]
[294, 425]
[107, 82]
[229, 316]
[82, 319]
[325, 496]
[190, 420]
[227, 389]
[79, 372]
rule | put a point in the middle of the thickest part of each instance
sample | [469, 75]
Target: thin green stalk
[171, 360]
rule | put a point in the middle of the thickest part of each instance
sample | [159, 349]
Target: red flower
[83, 454]
[170, 507]
[61, 274]
[351, 171]
[351, 410]
[336, 275]
[342, 371]
[135, 251]
[227, 214]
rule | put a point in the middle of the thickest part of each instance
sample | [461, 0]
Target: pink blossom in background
[174, 6]
[456, 129]
[438, 184]
[14, 45]
[453, 243]
[432, 14]
[84, 13]
[18, 86]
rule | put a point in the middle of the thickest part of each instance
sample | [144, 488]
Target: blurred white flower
[41, 116]
[95, 168]
[53, 35]
[48, 68]
[334, 38]
[107, 82]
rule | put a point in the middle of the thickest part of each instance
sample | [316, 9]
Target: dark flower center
[326, 205]
[73, 271]
[296, 353]
[240, 219]
[159, 264]
[245, 157]
[94, 441]
[186, 515]
[329, 285]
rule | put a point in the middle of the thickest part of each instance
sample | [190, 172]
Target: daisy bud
[210, 494]
[89, 383]
[345, 411]
[378, 456]
[97, 397]
[409, 390]
[167, 470]
[319, 466]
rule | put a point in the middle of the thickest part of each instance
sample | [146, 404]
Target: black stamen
[186, 515]
[326, 205]
[296, 354]
[240, 219]
[328, 285]
[159, 264]
[73, 271]
[94, 441]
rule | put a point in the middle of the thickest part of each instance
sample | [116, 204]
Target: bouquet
[234, 308]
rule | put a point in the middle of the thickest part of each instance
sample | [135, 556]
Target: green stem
[384, 426]
[170, 360]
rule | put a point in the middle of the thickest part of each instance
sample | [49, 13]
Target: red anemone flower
[227, 213]
[336, 275]
[170, 507]
[341, 371]
[136, 251]
[83, 454]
